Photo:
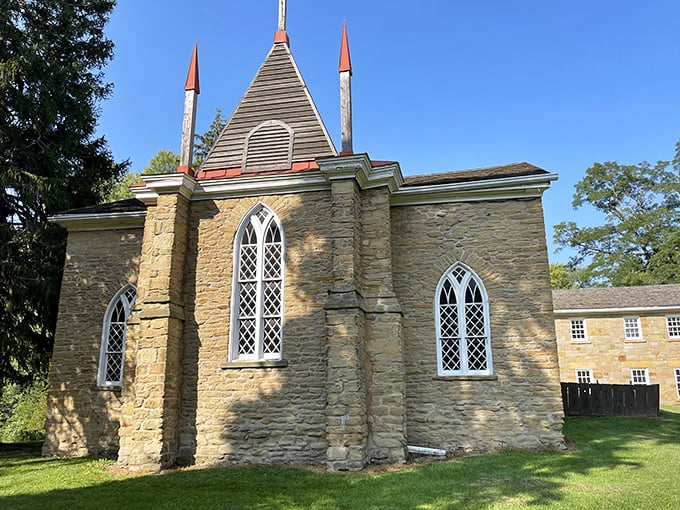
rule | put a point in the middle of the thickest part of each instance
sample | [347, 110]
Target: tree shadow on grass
[508, 477]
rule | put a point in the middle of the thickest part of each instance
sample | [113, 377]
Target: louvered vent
[269, 146]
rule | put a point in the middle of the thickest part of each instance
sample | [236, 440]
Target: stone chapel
[289, 303]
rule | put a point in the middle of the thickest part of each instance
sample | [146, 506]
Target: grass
[616, 463]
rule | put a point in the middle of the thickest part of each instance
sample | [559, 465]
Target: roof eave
[99, 221]
[503, 188]
[630, 310]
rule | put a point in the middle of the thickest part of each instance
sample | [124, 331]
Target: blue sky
[438, 85]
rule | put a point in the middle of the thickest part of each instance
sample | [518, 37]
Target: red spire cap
[345, 61]
[192, 75]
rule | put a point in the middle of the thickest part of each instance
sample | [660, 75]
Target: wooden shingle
[277, 93]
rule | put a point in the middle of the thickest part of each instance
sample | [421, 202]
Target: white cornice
[632, 310]
[359, 167]
[163, 184]
[100, 221]
[526, 186]
[248, 186]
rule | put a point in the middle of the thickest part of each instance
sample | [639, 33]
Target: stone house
[291, 303]
[621, 335]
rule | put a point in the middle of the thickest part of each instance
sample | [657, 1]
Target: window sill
[465, 378]
[634, 340]
[116, 389]
[235, 365]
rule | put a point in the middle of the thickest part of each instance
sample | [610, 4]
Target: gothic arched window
[257, 312]
[114, 332]
[462, 323]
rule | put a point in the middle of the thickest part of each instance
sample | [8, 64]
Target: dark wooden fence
[610, 399]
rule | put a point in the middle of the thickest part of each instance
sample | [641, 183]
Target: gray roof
[277, 93]
[478, 174]
[120, 206]
[648, 296]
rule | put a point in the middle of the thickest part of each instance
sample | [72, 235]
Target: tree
[52, 53]
[163, 162]
[639, 242]
[566, 276]
[205, 141]
[166, 162]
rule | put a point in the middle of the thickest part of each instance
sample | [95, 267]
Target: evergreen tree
[52, 53]
[205, 141]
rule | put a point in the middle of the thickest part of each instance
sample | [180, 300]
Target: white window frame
[632, 331]
[676, 371]
[639, 376]
[673, 326]
[580, 323]
[584, 375]
[459, 290]
[234, 344]
[105, 351]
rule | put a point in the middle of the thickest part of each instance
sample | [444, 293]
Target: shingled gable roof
[277, 93]
[522, 169]
[616, 298]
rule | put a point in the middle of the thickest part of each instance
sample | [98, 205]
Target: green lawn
[613, 463]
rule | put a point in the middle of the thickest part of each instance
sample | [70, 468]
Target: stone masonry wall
[149, 430]
[504, 243]
[82, 418]
[255, 415]
[611, 356]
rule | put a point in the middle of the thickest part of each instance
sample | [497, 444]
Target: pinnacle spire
[345, 61]
[345, 70]
[191, 91]
[192, 76]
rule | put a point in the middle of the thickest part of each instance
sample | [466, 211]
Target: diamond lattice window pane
[248, 263]
[474, 320]
[271, 336]
[248, 300]
[448, 320]
[272, 299]
[458, 274]
[247, 336]
[131, 295]
[114, 367]
[450, 353]
[262, 215]
[116, 337]
[476, 351]
[272, 261]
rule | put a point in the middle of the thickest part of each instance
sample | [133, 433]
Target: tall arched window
[114, 332]
[462, 315]
[257, 313]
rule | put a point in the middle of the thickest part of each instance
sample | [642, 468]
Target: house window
[639, 376]
[677, 381]
[257, 321]
[631, 326]
[578, 330]
[462, 322]
[114, 332]
[673, 326]
[584, 375]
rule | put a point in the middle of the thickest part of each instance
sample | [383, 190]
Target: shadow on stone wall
[82, 418]
[255, 415]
